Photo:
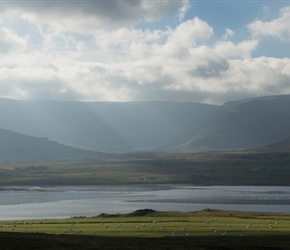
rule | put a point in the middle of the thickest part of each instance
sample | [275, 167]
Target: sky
[144, 50]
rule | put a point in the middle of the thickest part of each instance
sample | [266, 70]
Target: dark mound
[142, 212]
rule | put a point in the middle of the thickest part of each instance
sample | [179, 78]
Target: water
[64, 202]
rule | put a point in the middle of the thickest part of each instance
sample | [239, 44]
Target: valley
[215, 168]
[44, 130]
[243, 142]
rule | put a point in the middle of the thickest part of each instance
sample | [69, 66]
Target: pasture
[149, 223]
[148, 229]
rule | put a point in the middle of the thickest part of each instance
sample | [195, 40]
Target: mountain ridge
[244, 124]
[104, 126]
[172, 127]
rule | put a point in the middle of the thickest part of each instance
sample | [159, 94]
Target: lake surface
[63, 202]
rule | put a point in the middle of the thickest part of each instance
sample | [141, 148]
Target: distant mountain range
[49, 130]
[280, 146]
[244, 124]
[105, 126]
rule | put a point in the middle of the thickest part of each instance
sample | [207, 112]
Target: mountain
[150, 126]
[282, 145]
[106, 126]
[244, 124]
[16, 147]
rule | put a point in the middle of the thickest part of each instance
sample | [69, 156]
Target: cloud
[228, 34]
[125, 63]
[91, 15]
[190, 32]
[182, 11]
[10, 41]
[121, 63]
[228, 49]
[278, 28]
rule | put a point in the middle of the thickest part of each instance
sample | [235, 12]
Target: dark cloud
[211, 69]
[96, 14]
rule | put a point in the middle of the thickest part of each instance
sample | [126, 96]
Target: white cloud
[278, 28]
[189, 32]
[130, 64]
[228, 34]
[10, 41]
[228, 49]
[183, 10]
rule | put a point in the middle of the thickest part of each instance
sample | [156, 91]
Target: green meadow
[149, 223]
[147, 229]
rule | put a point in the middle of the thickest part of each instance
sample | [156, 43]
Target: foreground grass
[148, 229]
[15, 241]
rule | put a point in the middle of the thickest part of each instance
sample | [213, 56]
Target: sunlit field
[147, 229]
[159, 224]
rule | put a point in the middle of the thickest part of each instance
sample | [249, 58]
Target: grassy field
[146, 223]
[174, 230]
[243, 168]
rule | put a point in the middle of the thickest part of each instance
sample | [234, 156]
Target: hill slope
[281, 145]
[18, 147]
[244, 124]
[115, 127]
